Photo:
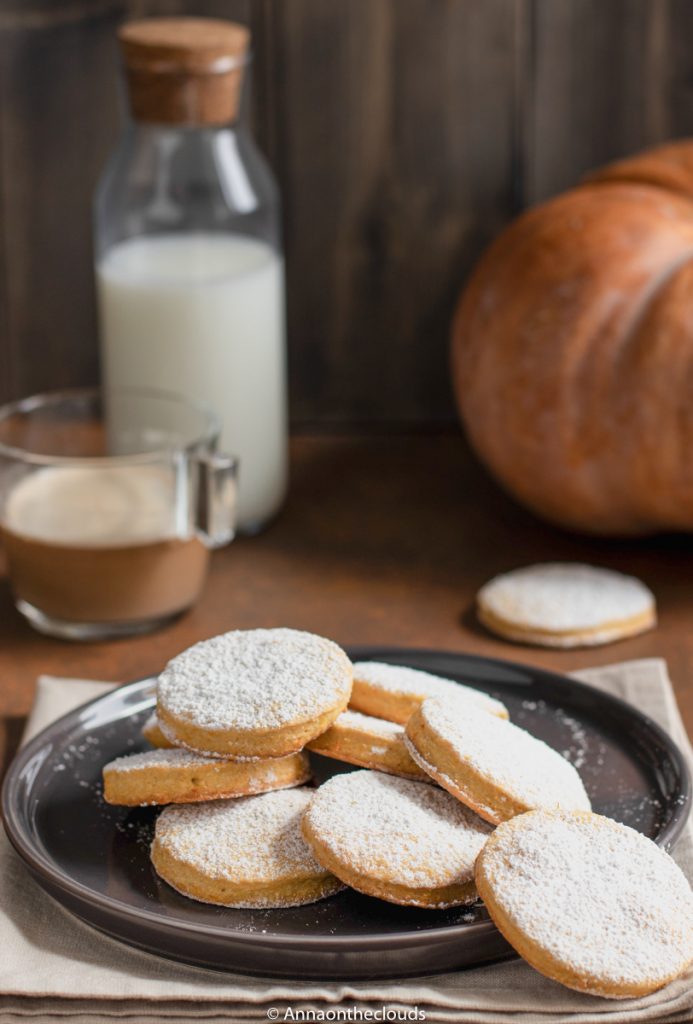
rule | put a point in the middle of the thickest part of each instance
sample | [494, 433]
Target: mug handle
[217, 488]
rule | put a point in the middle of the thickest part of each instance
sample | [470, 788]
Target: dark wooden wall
[405, 133]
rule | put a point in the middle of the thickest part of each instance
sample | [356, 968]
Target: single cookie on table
[394, 691]
[253, 694]
[241, 853]
[402, 841]
[588, 902]
[566, 605]
[370, 743]
[151, 731]
[181, 777]
[491, 765]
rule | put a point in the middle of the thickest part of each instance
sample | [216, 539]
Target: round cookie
[253, 694]
[394, 691]
[241, 853]
[370, 743]
[151, 731]
[401, 841]
[180, 777]
[588, 902]
[491, 765]
[566, 605]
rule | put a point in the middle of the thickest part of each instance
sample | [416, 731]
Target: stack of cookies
[455, 801]
[232, 718]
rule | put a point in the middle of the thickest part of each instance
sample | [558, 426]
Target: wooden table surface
[383, 541]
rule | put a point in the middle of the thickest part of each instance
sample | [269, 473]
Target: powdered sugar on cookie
[168, 758]
[566, 604]
[255, 680]
[594, 895]
[513, 761]
[255, 838]
[367, 723]
[369, 743]
[399, 680]
[397, 830]
[163, 758]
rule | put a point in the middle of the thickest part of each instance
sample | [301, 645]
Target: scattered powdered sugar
[525, 768]
[368, 724]
[644, 813]
[252, 839]
[137, 830]
[413, 682]
[560, 596]
[75, 753]
[396, 830]
[598, 896]
[255, 679]
[578, 750]
[533, 705]
[582, 749]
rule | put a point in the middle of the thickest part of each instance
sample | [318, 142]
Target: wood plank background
[405, 133]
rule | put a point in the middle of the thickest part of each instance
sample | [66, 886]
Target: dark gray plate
[94, 858]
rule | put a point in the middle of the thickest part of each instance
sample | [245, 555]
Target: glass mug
[110, 502]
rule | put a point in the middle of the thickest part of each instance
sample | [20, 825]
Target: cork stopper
[184, 70]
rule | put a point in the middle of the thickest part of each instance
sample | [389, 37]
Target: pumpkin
[572, 350]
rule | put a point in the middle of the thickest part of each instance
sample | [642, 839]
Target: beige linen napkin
[55, 969]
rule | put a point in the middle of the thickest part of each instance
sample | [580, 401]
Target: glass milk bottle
[189, 266]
